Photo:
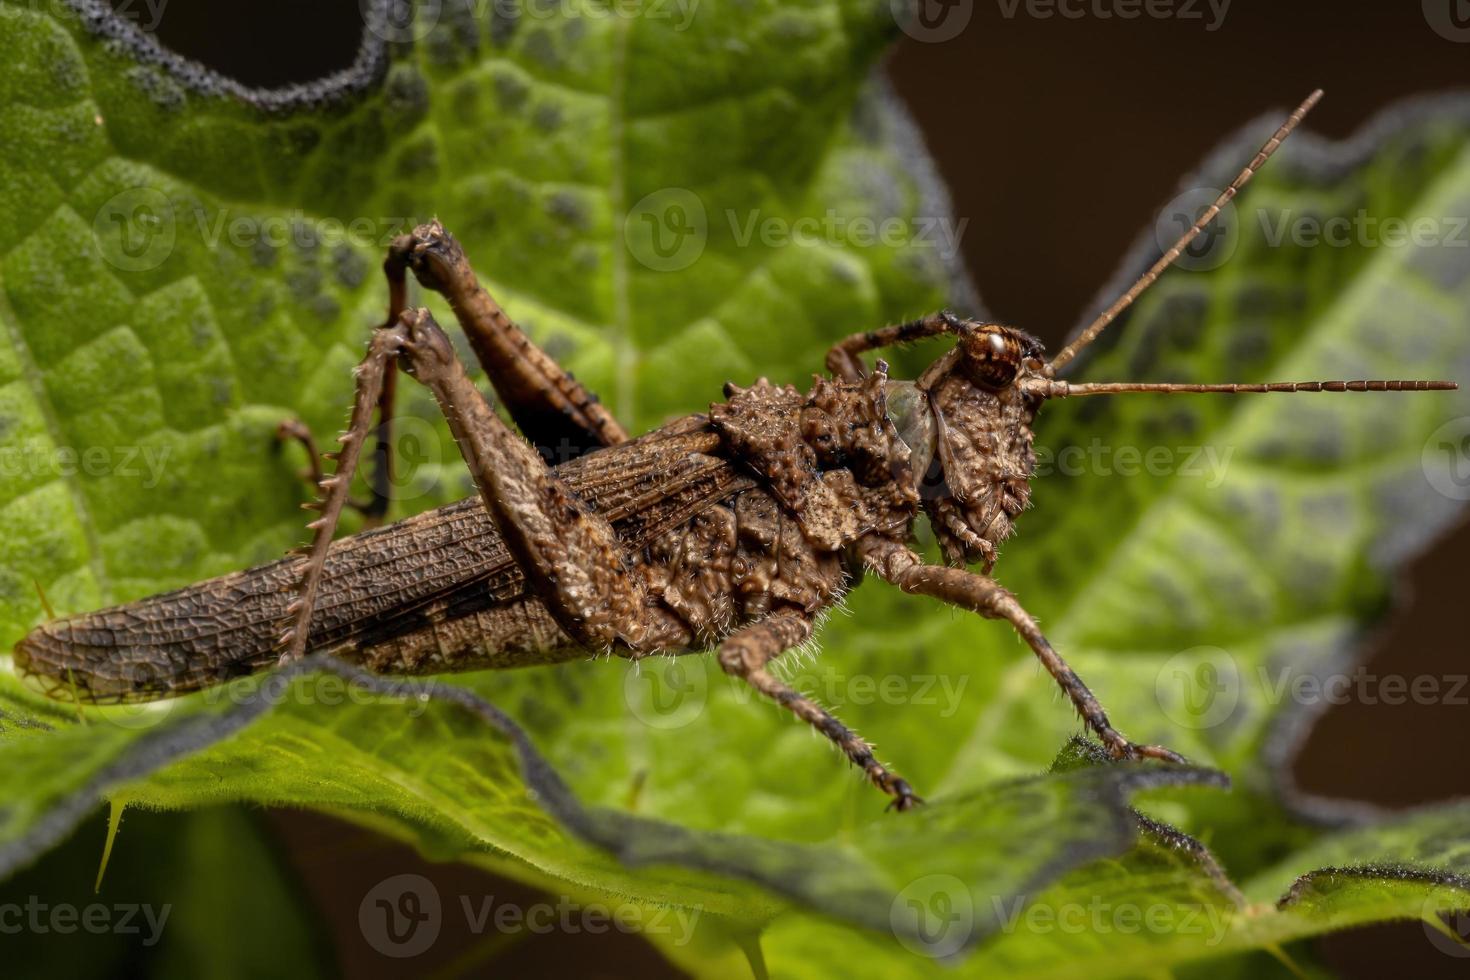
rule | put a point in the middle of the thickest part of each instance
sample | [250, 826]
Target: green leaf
[186, 895]
[172, 285]
[1167, 904]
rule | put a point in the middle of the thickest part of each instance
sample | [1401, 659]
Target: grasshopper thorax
[967, 424]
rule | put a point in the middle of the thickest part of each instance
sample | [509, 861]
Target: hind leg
[573, 561]
[552, 409]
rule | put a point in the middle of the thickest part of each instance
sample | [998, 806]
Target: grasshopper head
[967, 420]
[967, 423]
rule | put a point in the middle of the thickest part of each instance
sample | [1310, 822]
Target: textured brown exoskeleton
[733, 529]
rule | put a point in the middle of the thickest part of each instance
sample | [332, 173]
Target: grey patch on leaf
[1402, 491]
[510, 91]
[161, 90]
[419, 159]
[1258, 508]
[263, 254]
[1448, 266]
[504, 19]
[405, 97]
[456, 38]
[540, 46]
[547, 117]
[348, 266]
[570, 209]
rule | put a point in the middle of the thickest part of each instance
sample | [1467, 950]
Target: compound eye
[993, 356]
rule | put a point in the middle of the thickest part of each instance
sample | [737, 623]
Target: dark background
[1058, 138]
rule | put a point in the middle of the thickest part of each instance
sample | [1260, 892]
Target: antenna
[1061, 389]
[1097, 326]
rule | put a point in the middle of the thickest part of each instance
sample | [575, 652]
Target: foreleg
[843, 358]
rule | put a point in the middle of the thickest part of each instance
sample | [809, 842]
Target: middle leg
[746, 654]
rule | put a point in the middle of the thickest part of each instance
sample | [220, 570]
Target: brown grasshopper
[734, 529]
